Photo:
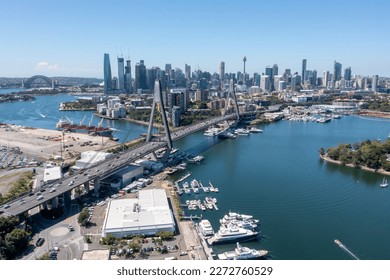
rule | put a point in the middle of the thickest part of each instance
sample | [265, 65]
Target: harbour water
[43, 113]
[303, 203]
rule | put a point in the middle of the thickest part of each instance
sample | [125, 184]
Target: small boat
[242, 131]
[384, 183]
[255, 130]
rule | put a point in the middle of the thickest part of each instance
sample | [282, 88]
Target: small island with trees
[368, 155]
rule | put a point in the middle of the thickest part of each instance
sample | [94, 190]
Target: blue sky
[69, 38]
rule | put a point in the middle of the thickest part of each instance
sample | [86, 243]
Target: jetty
[184, 177]
[205, 189]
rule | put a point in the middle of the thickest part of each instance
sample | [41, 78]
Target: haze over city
[69, 39]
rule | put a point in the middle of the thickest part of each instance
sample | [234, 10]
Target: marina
[289, 195]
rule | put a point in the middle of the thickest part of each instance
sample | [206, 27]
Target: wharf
[183, 178]
[194, 244]
[205, 189]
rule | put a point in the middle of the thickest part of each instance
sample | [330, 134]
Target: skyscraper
[140, 76]
[314, 78]
[275, 70]
[107, 74]
[128, 79]
[296, 80]
[265, 83]
[337, 71]
[347, 74]
[325, 79]
[221, 70]
[304, 61]
[150, 78]
[187, 69]
[269, 71]
[374, 83]
[244, 59]
[121, 74]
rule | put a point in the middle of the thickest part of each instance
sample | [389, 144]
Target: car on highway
[71, 183]
[40, 197]
[7, 206]
[52, 190]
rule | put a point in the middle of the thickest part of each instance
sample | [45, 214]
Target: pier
[184, 177]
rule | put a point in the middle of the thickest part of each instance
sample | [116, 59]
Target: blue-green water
[9, 90]
[44, 113]
[303, 204]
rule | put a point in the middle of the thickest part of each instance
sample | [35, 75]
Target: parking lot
[14, 157]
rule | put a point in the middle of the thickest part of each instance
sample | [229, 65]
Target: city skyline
[69, 40]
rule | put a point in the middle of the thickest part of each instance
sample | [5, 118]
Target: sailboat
[384, 183]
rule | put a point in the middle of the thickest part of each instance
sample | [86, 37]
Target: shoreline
[374, 114]
[142, 122]
[364, 168]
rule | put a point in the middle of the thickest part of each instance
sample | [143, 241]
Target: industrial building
[124, 176]
[89, 158]
[52, 174]
[147, 215]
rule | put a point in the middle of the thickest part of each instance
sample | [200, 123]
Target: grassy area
[20, 186]
[176, 203]
[126, 146]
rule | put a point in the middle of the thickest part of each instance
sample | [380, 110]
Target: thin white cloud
[43, 65]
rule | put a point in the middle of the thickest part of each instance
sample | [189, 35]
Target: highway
[99, 170]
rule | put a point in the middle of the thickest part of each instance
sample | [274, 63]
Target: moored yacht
[205, 228]
[255, 130]
[232, 233]
[236, 216]
[242, 253]
[198, 158]
[242, 131]
[246, 224]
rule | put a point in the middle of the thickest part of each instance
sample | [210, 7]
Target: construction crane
[81, 122]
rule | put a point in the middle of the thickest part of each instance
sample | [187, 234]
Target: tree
[333, 153]
[165, 235]
[16, 242]
[108, 240]
[7, 224]
[83, 217]
[136, 244]
[322, 151]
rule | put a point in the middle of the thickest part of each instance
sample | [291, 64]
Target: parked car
[40, 241]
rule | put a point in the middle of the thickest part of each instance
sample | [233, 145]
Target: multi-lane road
[99, 170]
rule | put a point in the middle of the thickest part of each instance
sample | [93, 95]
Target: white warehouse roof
[147, 215]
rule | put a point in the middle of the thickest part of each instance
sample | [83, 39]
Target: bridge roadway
[99, 170]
